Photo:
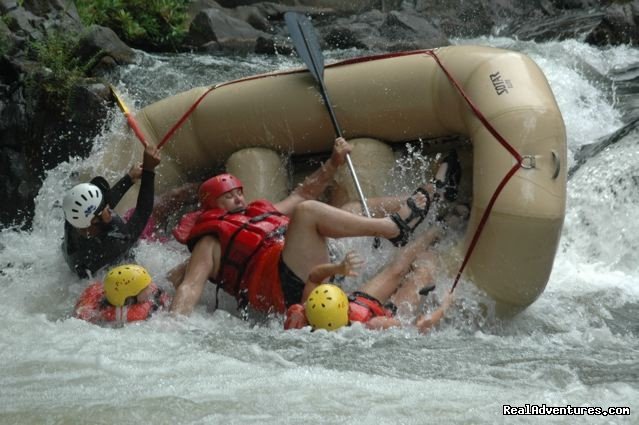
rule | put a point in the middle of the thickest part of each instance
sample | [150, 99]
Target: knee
[306, 209]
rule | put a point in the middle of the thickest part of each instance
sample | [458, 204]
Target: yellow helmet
[125, 281]
[327, 307]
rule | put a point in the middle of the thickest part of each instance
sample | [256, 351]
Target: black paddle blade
[306, 43]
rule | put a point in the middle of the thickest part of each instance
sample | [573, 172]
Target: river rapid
[577, 345]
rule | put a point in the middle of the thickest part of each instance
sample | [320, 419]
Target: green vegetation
[147, 24]
[63, 69]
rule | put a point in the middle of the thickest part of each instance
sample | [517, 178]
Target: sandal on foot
[426, 290]
[448, 187]
[405, 229]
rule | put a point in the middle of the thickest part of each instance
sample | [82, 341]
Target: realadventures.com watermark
[535, 409]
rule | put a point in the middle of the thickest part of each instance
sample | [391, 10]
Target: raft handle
[557, 162]
[528, 162]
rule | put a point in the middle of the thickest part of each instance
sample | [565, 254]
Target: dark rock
[12, 114]
[18, 186]
[7, 5]
[460, 18]
[88, 105]
[619, 25]
[45, 7]
[37, 18]
[568, 25]
[265, 46]
[22, 22]
[102, 46]
[213, 25]
[343, 38]
[364, 29]
[103, 66]
[275, 12]
[196, 6]
[273, 46]
[401, 27]
[254, 16]
[579, 4]
[235, 45]
[8, 75]
[304, 6]
[626, 90]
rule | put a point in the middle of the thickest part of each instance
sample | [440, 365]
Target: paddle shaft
[134, 126]
[129, 118]
[349, 162]
[317, 70]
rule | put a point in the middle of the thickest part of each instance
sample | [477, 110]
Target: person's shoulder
[263, 204]
[92, 293]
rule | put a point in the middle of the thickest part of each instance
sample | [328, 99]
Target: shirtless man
[262, 253]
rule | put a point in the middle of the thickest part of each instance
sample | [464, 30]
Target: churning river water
[577, 345]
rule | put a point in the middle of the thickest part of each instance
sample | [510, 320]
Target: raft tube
[399, 98]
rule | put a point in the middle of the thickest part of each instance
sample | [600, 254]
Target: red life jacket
[93, 307]
[295, 317]
[244, 236]
[361, 308]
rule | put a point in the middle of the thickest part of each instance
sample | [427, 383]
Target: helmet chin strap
[237, 210]
[121, 315]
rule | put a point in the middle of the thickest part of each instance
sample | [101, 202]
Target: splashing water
[577, 345]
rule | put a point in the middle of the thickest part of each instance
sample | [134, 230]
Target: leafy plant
[62, 70]
[150, 24]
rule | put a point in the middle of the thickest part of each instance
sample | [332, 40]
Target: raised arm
[349, 266]
[315, 184]
[144, 204]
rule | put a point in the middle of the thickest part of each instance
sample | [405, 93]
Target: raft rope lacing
[504, 181]
[516, 155]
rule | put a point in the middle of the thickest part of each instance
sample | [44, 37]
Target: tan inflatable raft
[248, 124]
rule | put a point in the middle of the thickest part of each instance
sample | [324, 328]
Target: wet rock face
[618, 25]
[36, 133]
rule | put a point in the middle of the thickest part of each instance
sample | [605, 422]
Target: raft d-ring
[528, 162]
[557, 162]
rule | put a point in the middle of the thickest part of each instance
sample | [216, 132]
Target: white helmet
[81, 204]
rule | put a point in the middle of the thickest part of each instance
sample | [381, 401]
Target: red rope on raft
[502, 184]
[195, 104]
[454, 82]
[184, 117]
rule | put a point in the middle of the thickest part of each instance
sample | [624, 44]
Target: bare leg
[312, 222]
[176, 274]
[378, 207]
[386, 282]
[385, 205]
[407, 297]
